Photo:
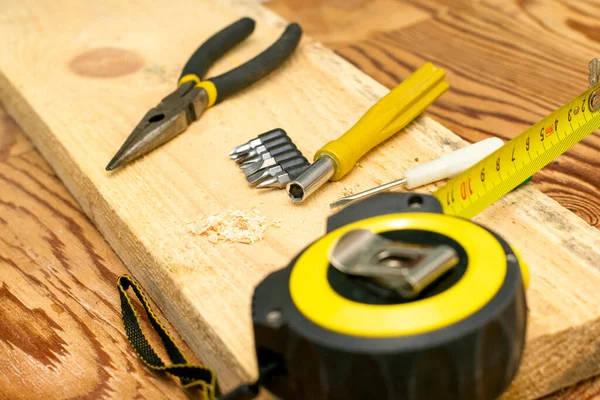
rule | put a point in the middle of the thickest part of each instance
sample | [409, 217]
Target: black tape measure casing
[475, 357]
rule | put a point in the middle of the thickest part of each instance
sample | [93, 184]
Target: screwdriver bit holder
[271, 160]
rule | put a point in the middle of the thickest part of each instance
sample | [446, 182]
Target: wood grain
[509, 64]
[20, 375]
[61, 334]
[143, 210]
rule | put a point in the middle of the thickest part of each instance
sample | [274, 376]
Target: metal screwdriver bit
[271, 182]
[283, 178]
[267, 173]
[266, 146]
[260, 157]
[263, 137]
[260, 176]
[271, 162]
[272, 150]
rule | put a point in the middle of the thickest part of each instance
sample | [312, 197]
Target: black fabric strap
[189, 374]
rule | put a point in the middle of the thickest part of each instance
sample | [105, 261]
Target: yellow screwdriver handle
[386, 117]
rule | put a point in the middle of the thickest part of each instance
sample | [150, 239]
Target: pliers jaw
[162, 123]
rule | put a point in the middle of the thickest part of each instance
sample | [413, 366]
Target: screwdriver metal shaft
[444, 167]
[367, 193]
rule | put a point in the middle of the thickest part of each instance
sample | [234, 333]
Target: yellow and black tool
[186, 104]
[385, 118]
[396, 301]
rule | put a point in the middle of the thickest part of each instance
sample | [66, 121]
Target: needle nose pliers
[186, 104]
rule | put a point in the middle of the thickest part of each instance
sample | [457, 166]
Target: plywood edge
[575, 351]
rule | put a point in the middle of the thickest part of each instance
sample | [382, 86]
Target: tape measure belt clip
[405, 268]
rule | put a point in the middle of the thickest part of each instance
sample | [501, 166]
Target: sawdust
[348, 191]
[238, 226]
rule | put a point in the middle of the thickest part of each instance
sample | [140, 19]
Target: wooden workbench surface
[58, 273]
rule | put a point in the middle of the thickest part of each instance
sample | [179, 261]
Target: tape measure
[442, 317]
[487, 181]
[396, 301]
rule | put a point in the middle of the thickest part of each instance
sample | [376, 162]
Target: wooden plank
[20, 164]
[78, 89]
[30, 377]
[61, 334]
[510, 63]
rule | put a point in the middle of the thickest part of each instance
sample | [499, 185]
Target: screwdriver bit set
[271, 160]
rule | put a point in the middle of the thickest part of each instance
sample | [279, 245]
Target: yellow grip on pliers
[388, 116]
[211, 89]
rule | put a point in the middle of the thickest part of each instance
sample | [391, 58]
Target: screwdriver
[444, 167]
[386, 117]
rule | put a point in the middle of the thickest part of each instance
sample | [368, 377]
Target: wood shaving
[347, 191]
[236, 226]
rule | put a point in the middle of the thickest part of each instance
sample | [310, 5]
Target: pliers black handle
[246, 74]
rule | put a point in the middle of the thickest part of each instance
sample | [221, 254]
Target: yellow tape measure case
[333, 335]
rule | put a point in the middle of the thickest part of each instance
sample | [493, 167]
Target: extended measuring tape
[487, 181]
[401, 298]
